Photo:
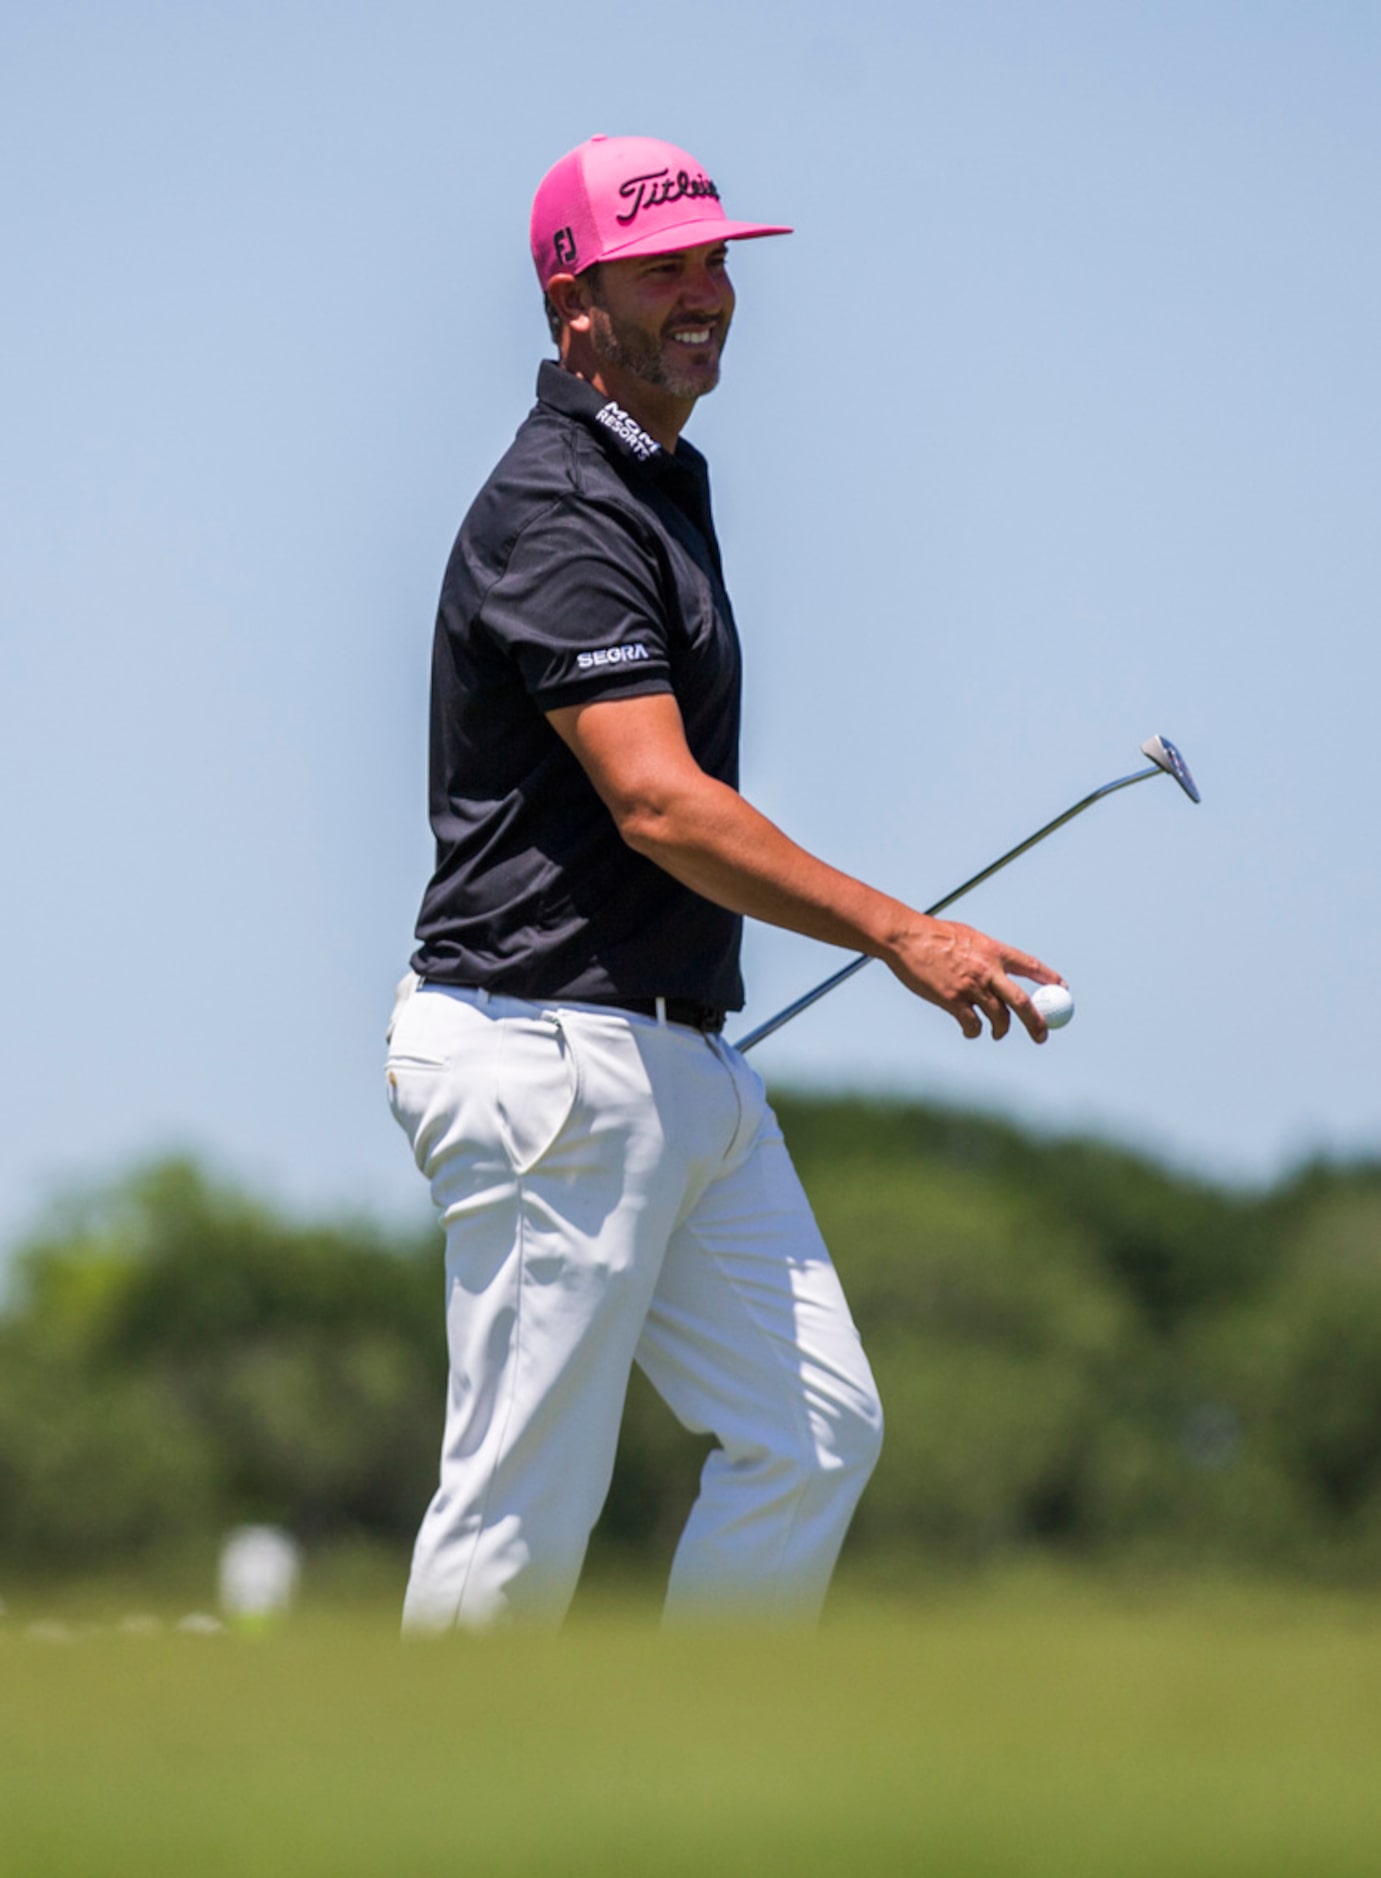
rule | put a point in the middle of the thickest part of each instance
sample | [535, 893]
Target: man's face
[665, 317]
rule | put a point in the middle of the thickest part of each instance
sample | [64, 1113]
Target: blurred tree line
[1077, 1350]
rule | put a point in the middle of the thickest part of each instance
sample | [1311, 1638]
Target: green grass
[1029, 1727]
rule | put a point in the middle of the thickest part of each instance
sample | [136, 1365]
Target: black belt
[679, 1010]
[706, 1017]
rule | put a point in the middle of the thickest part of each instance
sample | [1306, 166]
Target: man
[613, 1186]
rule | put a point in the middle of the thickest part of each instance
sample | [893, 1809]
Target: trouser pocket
[537, 1083]
[475, 1090]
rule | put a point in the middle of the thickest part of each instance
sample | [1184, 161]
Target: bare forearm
[706, 836]
[710, 839]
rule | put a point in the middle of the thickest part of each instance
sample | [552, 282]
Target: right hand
[970, 975]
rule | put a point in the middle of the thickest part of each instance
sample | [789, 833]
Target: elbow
[653, 813]
[645, 825]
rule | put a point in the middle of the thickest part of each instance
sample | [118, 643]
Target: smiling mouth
[694, 336]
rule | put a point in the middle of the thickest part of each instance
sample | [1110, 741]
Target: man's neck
[660, 413]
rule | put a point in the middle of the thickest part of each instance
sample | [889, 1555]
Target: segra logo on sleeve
[612, 655]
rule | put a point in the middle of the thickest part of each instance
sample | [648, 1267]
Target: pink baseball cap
[614, 197]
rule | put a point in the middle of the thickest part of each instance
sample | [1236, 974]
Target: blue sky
[1055, 424]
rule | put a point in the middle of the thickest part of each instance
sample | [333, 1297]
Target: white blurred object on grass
[259, 1572]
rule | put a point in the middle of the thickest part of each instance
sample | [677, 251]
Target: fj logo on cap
[659, 186]
[564, 243]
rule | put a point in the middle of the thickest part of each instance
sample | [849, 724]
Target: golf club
[1165, 761]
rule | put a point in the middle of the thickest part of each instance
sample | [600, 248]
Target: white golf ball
[1055, 1005]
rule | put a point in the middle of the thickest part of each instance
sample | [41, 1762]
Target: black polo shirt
[586, 569]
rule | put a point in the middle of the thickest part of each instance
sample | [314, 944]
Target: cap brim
[694, 233]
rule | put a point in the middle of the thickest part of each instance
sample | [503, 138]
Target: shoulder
[554, 485]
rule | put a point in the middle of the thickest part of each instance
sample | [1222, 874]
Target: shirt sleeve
[579, 609]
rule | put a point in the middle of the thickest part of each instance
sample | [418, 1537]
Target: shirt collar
[622, 434]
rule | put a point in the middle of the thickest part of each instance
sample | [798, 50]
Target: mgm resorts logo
[658, 187]
[628, 430]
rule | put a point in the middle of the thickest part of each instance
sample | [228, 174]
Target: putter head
[1164, 754]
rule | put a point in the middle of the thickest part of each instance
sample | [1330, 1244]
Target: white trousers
[615, 1190]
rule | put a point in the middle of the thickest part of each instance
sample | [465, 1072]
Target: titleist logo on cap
[623, 198]
[660, 186]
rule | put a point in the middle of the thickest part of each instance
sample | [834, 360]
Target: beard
[652, 357]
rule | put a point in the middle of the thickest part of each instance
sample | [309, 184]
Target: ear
[571, 297]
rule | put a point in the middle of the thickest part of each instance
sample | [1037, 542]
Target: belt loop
[662, 1012]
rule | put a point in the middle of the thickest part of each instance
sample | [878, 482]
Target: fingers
[1004, 998]
[1026, 1012]
[997, 1002]
[1000, 997]
[974, 977]
[995, 1008]
[1026, 965]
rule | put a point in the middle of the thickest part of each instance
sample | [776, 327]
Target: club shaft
[846, 972]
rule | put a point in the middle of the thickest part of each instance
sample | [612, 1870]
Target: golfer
[612, 1183]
